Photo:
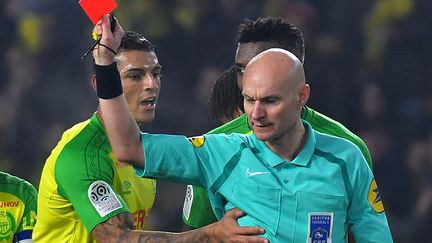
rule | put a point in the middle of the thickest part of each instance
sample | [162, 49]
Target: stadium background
[368, 63]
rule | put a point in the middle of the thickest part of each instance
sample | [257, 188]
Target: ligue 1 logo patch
[320, 227]
[374, 197]
[197, 141]
[188, 202]
[103, 198]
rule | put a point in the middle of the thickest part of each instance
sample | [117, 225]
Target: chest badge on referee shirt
[320, 227]
[197, 141]
[374, 197]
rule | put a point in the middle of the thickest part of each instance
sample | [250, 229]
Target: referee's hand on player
[228, 230]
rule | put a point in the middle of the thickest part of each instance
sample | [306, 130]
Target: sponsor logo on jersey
[139, 219]
[320, 227]
[374, 197]
[255, 173]
[197, 141]
[103, 198]
[10, 204]
[126, 185]
[7, 226]
[188, 202]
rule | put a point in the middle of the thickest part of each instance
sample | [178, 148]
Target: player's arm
[122, 130]
[120, 229]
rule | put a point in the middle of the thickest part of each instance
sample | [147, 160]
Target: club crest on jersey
[7, 226]
[320, 227]
[197, 141]
[374, 197]
[103, 198]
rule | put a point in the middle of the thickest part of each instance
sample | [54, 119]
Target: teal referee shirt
[327, 189]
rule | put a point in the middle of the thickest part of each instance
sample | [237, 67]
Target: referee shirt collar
[302, 159]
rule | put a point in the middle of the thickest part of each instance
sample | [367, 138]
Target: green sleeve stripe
[227, 170]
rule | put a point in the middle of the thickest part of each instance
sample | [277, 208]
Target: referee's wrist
[108, 82]
[104, 60]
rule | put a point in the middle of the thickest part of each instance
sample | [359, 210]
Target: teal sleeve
[367, 218]
[188, 160]
[84, 176]
[197, 210]
[171, 157]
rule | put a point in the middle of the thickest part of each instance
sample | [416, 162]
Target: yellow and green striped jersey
[17, 208]
[83, 185]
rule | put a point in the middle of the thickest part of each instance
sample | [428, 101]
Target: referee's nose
[258, 111]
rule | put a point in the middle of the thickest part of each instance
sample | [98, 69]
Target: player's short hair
[134, 41]
[273, 29]
[225, 97]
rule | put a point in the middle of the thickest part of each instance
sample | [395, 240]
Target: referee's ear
[304, 93]
[93, 82]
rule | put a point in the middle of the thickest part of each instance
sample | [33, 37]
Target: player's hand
[103, 53]
[228, 230]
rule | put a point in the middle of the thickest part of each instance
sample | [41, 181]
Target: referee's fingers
[250, 230]
[235, 213]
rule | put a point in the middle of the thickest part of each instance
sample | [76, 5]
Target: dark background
[368, 64]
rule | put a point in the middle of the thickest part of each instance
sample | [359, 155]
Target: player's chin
[145, 117]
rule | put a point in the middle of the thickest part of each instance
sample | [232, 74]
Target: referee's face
[274, 91]
[140, 73]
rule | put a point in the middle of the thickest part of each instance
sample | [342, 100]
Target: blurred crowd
[368, 64]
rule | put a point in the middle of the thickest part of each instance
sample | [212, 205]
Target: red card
[95, 9]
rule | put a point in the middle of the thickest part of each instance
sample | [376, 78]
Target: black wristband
[108, 82]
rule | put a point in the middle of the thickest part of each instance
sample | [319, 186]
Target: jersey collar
[302, 159]
[95, 121]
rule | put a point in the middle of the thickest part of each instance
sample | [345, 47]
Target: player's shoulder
[332, 142]
[337, 147]
[222, 141]
[325, 124]
[16, 184]
[82, 149]
[81, 129]
[88, 134]
[238, 125]
[235, 137]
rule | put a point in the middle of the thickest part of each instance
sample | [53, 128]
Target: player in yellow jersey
[86, 195]
[17, 209]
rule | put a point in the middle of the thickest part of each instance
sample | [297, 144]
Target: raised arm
[122, 130]
[119, 229]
